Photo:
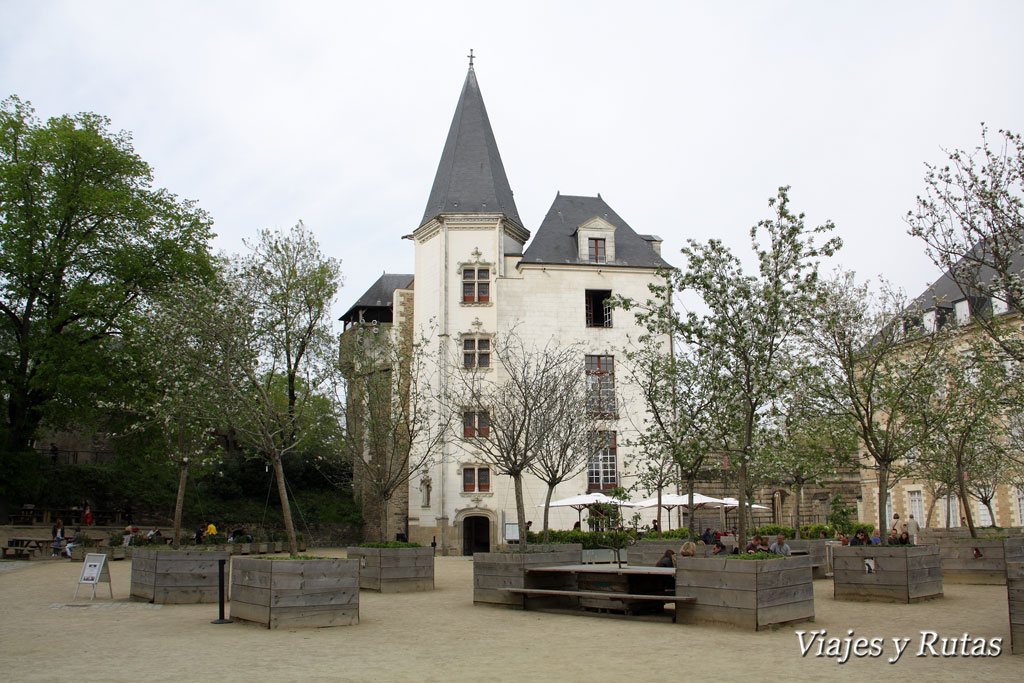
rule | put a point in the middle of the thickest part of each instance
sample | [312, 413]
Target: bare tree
[394, 423]
[509, 404]
[570, 430]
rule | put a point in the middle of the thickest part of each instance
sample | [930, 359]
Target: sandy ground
[441, 636]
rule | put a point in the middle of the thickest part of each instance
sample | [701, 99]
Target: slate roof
[555, 239]
[944, 291]
[379, 295]
[470, 177]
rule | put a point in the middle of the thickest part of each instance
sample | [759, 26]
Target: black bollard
[220, 590]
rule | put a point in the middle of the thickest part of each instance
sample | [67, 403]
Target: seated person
[876, 539]
[904, 539]
[78, 538]
[689, 549]
[754, 544]
[894, 538]
[843, 538]
[666, 559]
[780, 547]
[127, 535]
[860, 538]
[719, 548]
[764, 547]
[153, 533]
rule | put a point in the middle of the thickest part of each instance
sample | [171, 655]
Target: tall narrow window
[475, 424]
[476, 285]
[596, 249]
[476, 352]
[599, 311]
[1020, 505]
[601, 384]
[602, 473]
[483, 479]
[917, 505]
[984, 518]
[469, 479]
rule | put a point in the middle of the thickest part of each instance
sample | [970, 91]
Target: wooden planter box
[295, 593]
[1015, 596]
[278, 547]
[898, 573]
[647, 553]
[753, 594]
[176, 576]
[395, 570]
[959, 565]
[494, 571]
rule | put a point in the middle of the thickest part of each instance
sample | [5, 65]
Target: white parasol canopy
[584, 500]
[732, 502]
[673, 500]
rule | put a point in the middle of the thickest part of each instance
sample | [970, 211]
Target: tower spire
[471, 58]
[470, 177]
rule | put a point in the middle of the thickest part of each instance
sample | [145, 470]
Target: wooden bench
[601, 595]
[17, 551]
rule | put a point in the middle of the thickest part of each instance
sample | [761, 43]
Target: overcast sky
[686, 117]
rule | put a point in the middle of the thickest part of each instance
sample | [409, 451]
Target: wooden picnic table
[630, 590]
[25, 546]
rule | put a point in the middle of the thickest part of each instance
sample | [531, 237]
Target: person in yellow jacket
[211, 530]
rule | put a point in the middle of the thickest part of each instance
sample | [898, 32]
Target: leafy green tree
[878, 369]
[85, 240]
[749, 321]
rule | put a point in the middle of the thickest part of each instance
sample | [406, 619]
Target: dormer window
[595, 239]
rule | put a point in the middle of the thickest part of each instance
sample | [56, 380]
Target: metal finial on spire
[471, 58]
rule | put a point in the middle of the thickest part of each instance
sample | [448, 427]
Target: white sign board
[511, 531]
[94, 571]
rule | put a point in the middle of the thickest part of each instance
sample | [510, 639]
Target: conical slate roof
[470, 177]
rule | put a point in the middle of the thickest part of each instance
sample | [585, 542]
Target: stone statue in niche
[425, 486]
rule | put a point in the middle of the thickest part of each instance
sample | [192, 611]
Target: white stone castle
[478, 274]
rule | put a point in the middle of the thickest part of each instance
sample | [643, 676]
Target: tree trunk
[883, 494]
[659, 512]
[991, 512]
[384, 504]
[741, 532]
[517, 479]
[286, 509]
[799, 499]
[179, 502]
[931, 510]
[547, 504]
[962, 487]
[693, 510]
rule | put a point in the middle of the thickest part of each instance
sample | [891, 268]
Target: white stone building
[477, 274]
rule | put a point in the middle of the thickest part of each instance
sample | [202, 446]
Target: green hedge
[591, 540]
[775, 530]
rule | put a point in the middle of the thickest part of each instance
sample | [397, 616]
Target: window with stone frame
[598, 308]
[476, 479]
[596, 249]
[602, 470]
[476, 285]
[476, 352]
[601, 385]
[476, 424]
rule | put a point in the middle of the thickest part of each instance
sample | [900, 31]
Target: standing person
[896, 522]
[87, 518]
[706, 536]
[211, 530]
[912, 528]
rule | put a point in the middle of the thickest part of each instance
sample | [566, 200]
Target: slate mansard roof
[555, 239]
[377, 298]
[470, 176]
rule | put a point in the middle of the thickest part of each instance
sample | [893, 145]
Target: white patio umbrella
[577, 503]
[671, 501]
[732, 502]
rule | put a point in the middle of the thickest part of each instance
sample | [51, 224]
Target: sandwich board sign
[94, 571]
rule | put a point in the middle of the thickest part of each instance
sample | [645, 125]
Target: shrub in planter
[897, 573]
[752, 591]
[295, 592]
[167, 576]
[394, 567]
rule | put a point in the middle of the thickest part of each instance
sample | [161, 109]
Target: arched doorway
[476, 534]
